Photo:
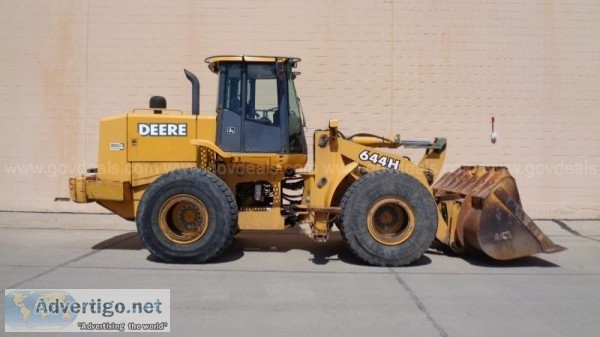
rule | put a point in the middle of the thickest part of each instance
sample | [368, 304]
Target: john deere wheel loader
[190, 181]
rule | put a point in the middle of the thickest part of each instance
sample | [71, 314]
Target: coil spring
[292, 188]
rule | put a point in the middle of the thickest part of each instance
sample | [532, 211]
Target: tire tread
[177, 176]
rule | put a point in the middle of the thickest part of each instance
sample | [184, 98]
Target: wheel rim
[183, 219]
[391, 221]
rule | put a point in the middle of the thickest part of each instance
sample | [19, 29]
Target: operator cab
[257, 107]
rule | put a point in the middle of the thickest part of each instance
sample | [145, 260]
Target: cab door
[258, 110]
[263, 111]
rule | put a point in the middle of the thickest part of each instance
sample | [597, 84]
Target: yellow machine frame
[129, 164]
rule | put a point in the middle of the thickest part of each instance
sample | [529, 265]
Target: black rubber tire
[216, 197]
[362, 195]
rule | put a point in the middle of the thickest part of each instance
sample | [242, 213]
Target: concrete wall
[418, 68]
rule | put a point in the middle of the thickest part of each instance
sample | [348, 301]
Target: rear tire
[187, 215]
[388, 218]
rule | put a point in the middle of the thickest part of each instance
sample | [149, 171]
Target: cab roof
[213, 61]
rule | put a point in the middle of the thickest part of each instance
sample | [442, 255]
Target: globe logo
[33, 309]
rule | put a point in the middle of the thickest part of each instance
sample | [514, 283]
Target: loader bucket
[490, 217]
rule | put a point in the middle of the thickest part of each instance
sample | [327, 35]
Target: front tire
[187, 215]
[388, 218]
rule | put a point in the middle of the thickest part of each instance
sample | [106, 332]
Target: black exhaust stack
[195, 91]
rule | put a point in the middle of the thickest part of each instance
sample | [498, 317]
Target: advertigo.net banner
[87, 310]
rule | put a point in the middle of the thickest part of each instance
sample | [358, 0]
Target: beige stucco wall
[418, 68]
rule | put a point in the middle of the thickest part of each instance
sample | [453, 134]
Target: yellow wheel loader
[191, 182]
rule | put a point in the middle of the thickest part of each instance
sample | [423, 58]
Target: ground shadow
[270, 242]
[481, 260]
[263, 241]
[322, 252]
[125, 241]
[282, 242]
[229, 255]
[523, 262]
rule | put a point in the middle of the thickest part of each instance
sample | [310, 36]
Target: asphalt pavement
[283, 284]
